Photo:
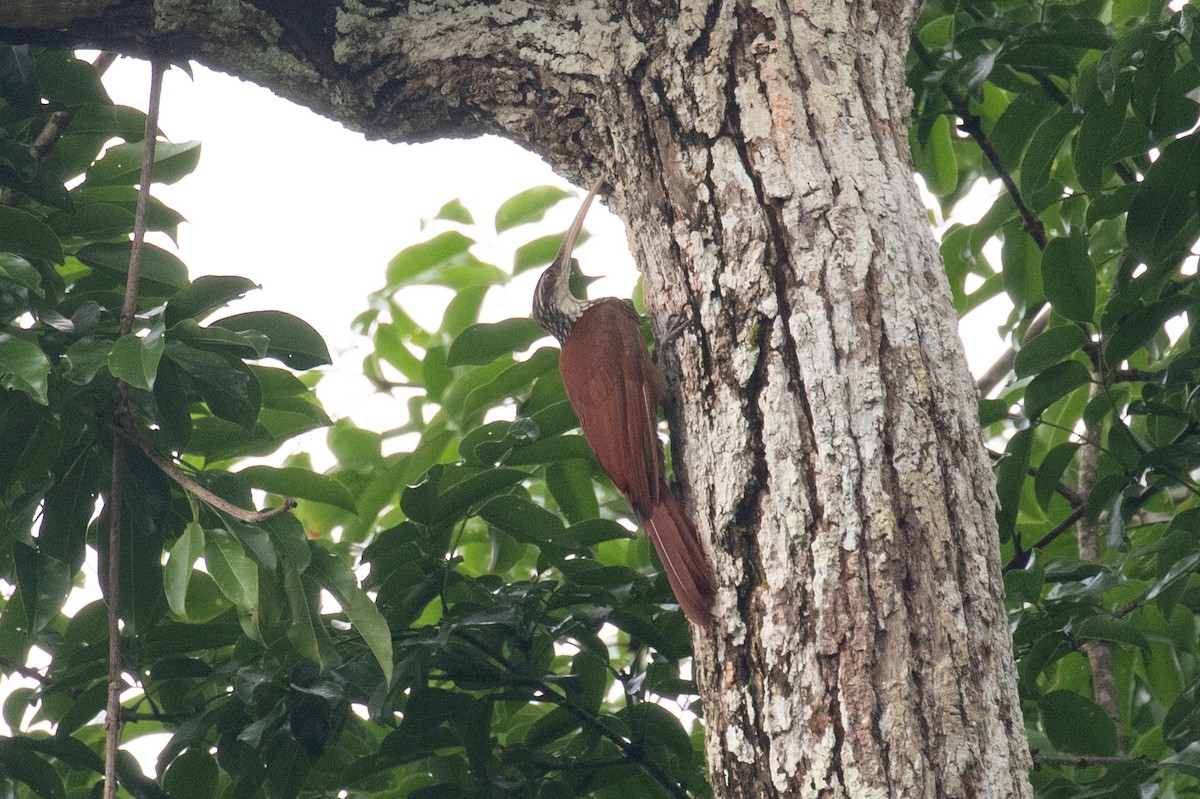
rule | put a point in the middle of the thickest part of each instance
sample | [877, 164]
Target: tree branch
[112, 718]
[129, 430]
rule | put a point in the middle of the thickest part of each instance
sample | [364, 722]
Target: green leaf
[1047, 140]
[1160, 208]
[423, 263]
[226, 384]
[935, 158]
[520, 518]
[1077, 725]
[1050, 472]
[91, 222]
[660, 731]
[1048, 349]
[1011, 472]
[24, 367]
[455, 211]
[541, 251]
[1021, 266]
[25, 235]
[20, 272]
[134, 358]
[1053, 384]
[1136, 330]
[551, 727]
[180, 562]
[1109, 628]
[455, 501]
[337, 578]
[590, 532]
[303, 617]
[122, 163]
[528, 206]
[511, 382]
[44, 582]
[298, 483]
[483, 343]
[1069, 278]
[992, 411]
[570, 483]
[158, 216]
[161, 274]
[24, 765]
[293, 341]
[205, 295]
[192, 775]
[235, 573]
[249, 344]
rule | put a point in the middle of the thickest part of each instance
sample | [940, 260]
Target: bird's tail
[683, 558]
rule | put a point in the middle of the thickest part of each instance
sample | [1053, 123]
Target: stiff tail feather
[682, 557]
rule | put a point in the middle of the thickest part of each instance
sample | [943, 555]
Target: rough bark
[825, 426]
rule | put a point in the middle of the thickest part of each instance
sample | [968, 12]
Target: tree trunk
[824, 428]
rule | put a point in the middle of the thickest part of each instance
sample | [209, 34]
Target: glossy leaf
[1054, 384]
[297, 483]
[528, 206]
[1076, 724]
[483, 343]
[204, 295]
[121, 164]
[25, 235]
[292, 340]
[134, 358]
[336, 577]
[1069, 278]
[24, 367]
[1048, 349]
[184, 554]
[1160, 209]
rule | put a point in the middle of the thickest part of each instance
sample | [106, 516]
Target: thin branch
[23, 670]
[972, 126]
[628, 748]
[112, 717]
[1081, 761]
[129, 431]
[1059, 529]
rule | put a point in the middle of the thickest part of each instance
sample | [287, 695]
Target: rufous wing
[613, 387]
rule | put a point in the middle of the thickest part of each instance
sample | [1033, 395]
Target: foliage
[509, 638]
[1086, 113]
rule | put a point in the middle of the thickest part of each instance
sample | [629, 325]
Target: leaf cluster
[1084, 116]
[458, 607]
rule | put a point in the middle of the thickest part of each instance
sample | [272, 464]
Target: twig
[628, 748]
[167, 466]
[24, 670]
[1059, 529]
[112, 717]
[1081, 761]
[972, 126]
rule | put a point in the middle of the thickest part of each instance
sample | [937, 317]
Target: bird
[614, 388]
